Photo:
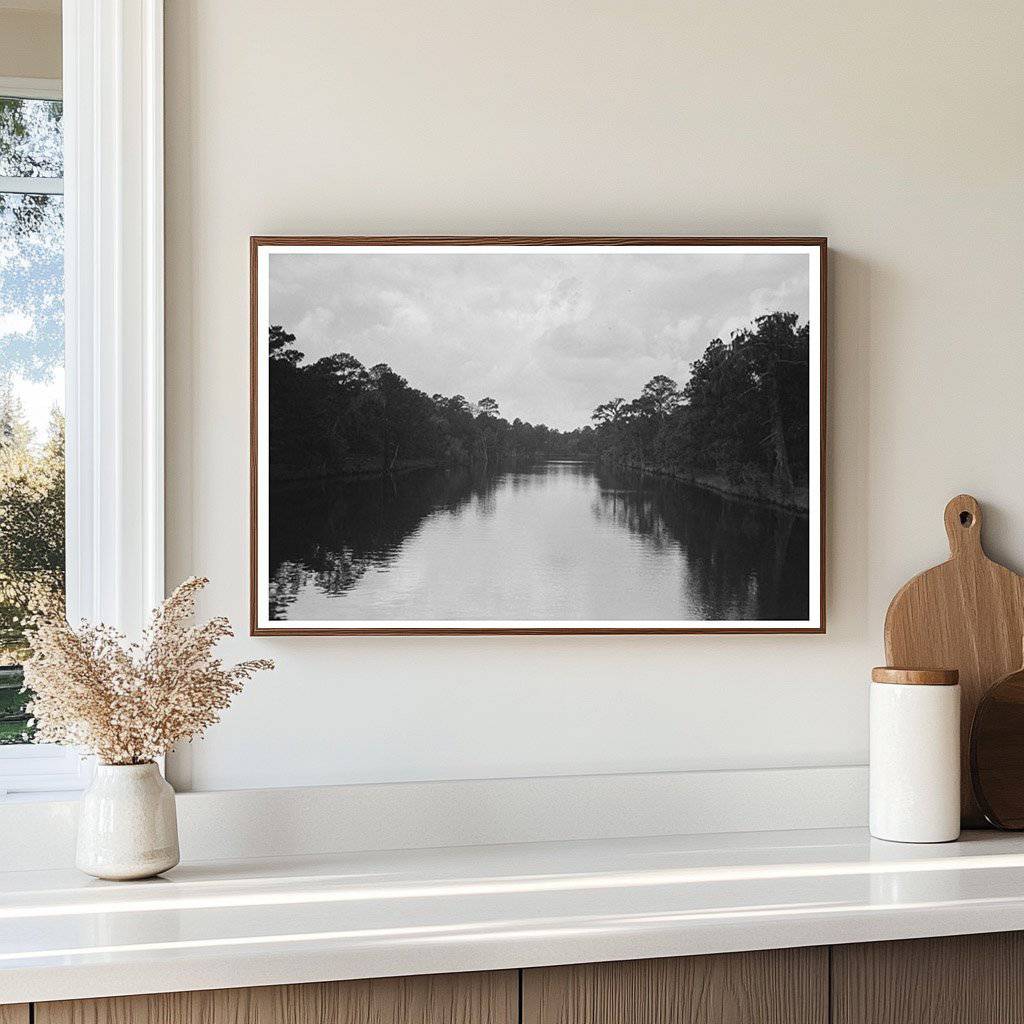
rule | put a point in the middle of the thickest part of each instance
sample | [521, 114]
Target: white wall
[895, 129]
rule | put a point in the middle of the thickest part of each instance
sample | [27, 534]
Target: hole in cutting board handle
[962, 519]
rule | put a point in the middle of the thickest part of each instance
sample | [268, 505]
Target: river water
[554, 540]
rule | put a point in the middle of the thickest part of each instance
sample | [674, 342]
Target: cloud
[549, 335]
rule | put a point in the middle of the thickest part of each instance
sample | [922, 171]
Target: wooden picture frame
[262, 247]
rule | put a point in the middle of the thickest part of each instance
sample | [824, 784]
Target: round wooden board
[997, 753]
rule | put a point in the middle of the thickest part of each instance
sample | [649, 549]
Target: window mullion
[32, 186]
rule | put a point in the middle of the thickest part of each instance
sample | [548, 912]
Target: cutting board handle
[963, 526]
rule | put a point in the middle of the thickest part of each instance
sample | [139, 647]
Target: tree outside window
[31, 386]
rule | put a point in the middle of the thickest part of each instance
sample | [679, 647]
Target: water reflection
[550, 540]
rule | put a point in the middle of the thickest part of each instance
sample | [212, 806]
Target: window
[105, 137]
[31, 383]
[31, 404]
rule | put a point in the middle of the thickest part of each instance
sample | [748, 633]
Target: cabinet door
[14, 1013]
[779, 986]
[963, 979]
[490, 998]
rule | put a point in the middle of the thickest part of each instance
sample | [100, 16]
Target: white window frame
[31, 88]
[114, 328]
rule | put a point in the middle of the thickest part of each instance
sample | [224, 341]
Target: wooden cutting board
[967, 614]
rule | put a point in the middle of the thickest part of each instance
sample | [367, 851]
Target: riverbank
[365, 467]
[760, 491]
[355, 468]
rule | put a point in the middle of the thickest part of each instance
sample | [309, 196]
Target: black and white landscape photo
[562, 437]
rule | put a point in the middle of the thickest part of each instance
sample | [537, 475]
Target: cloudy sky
[549, 335]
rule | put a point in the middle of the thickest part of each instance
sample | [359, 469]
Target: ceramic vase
[127, 826]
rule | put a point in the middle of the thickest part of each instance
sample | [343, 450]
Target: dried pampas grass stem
[129, 703]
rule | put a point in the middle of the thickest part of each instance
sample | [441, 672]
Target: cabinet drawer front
[479, 998]
[778, 986]
[962, 979]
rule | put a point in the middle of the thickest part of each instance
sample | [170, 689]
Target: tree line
[31, 547]
[739, 423]
[336, 416]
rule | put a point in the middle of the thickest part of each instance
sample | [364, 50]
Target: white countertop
[298, 919]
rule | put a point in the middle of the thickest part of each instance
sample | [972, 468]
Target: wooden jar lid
[916, 676]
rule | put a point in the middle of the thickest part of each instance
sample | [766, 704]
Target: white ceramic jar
[127, 825]
[915, 755]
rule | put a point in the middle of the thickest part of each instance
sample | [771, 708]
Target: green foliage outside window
[31, 353]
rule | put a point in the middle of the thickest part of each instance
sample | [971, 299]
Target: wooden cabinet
[970, 979]
[963, 979]
[779, 986]
[491, 998]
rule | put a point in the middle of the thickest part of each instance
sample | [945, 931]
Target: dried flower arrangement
[129, 703]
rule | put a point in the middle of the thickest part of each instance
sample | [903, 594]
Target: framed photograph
[537, 435]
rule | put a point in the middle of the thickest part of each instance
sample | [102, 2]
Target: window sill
[31, 772]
